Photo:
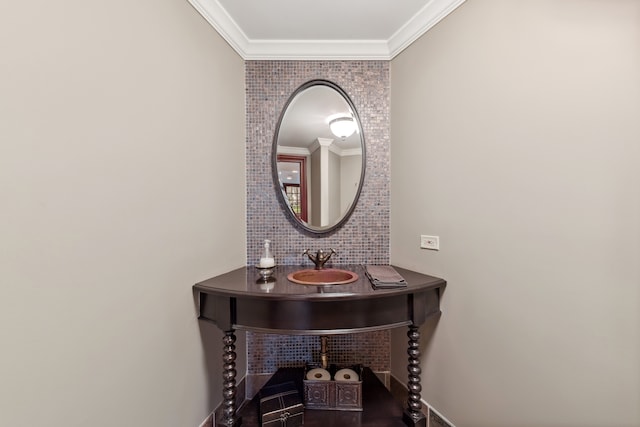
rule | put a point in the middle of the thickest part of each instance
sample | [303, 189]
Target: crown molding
[432, 13]
[223, 23]
[316, 50]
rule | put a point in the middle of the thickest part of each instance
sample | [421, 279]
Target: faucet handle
[326, 255]
[308, 253]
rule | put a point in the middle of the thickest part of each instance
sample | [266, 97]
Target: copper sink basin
[327, 276]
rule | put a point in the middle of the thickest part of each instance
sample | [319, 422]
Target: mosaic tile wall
[364, 239]
[270, 352]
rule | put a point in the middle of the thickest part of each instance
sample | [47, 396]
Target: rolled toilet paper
[346, 375]
[318, 374]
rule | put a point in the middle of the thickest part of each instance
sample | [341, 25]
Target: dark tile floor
[383, 409]
[380, 409]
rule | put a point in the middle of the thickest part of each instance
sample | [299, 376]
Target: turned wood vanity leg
[229, 389]
[413, 415]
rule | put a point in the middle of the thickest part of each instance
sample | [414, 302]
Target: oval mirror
[318, 156]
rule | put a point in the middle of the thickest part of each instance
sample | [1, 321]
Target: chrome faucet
[320, 257]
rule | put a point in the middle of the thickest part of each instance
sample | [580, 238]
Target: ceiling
[326, 29]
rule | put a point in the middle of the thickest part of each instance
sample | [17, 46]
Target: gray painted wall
[516, 126]
[113, 118]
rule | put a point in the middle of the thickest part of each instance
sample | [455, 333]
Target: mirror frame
[282, 198]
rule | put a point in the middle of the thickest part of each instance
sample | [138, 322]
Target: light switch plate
[430, 242]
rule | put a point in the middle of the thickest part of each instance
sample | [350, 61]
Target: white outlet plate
[430, 242]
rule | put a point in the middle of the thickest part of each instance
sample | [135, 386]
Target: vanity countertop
[246, 281]
[241, 299]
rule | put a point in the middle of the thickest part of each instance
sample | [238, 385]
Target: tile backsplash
[363, 239]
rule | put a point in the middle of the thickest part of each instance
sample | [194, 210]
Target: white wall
[334, 187]
[119, 121]
[315, 207]
[516, 139]
[350, 171]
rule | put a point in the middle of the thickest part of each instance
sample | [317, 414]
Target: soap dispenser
[267, 260]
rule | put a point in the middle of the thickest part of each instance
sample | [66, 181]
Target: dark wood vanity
[241, 299]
